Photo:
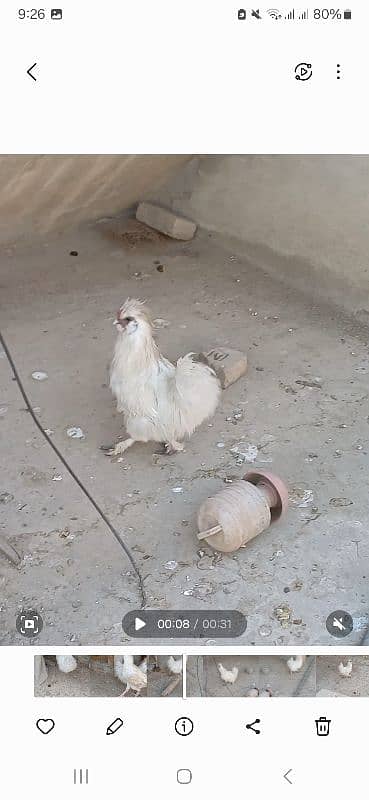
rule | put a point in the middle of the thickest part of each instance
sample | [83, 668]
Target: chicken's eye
[129, 319]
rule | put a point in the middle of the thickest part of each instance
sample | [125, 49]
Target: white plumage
[295, 663]
[228, 675]
[161, 402]
[135, 677]
[345, 669]
[174, 665]
[66, 663]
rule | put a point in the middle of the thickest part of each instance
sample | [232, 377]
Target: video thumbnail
[108, 676]
[278, 676]
[184, 399]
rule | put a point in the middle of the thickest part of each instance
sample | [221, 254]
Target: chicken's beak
[122, 323]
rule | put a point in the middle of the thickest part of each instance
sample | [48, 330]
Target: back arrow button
[29, 71]
[286, 774]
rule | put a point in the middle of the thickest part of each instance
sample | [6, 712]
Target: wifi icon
[274, 13]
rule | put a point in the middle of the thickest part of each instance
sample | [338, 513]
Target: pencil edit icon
[114, 726]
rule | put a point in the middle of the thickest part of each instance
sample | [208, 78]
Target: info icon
[29, 623]
[339, 624]
[184, 726]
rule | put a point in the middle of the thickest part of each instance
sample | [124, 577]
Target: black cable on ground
[311, 663]
[75, 477]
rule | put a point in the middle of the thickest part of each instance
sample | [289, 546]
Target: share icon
[250, 726]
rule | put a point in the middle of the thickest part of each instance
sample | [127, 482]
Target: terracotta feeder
[242, 510]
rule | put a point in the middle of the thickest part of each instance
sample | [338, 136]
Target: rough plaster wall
[40, 194]
[305, 218]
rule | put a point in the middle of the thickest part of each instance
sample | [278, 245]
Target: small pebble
[265, 630]
[246, 452]
[6, 497]
[40, 376]
[57, 477]
[73, 253]
[3, 410]
[177, 489]
[161, 323]
[220, 444]
[171, 565]
[340, 502]
[75, 433]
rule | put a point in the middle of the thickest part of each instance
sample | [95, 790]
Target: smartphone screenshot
[184, 399]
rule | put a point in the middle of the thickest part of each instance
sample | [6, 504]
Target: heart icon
[45, 725]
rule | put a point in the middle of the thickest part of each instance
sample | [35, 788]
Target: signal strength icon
[294, 14]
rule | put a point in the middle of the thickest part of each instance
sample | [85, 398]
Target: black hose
[75, 477]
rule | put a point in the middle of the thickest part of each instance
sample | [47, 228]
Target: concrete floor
[304, 403]
[160, 681]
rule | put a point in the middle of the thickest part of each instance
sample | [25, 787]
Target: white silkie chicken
[228, 675]
[345, 669]
[135, 677]
[175, 665]
[161, 402]
[295, 663]
[66, 663]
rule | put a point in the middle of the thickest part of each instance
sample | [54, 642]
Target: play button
[139, 623]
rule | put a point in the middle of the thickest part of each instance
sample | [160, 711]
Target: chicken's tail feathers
[198, 391]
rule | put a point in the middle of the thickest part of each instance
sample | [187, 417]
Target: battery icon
[347, 14]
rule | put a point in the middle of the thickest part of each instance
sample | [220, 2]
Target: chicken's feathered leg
[119, 448]
[173, 447]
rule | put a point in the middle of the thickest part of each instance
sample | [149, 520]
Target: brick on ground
[229, 365]
[165, 221]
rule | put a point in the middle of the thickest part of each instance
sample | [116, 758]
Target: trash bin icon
[322, 726]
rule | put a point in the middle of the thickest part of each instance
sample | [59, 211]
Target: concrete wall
[41, 194]
[303, 218]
